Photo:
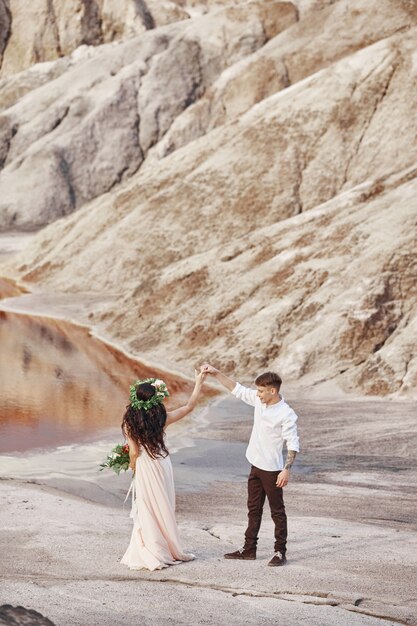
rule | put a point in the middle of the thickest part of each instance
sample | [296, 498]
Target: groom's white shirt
[272, 425]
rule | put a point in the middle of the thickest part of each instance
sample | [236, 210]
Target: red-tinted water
[58, 384]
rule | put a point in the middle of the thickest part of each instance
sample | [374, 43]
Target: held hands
[200, 375]
[224, 380]
[283, 478]
[206, 368]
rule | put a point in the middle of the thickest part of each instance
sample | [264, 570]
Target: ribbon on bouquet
[134, 513]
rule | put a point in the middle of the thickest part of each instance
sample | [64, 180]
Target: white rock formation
[45, 30]
[245, 188]
[89, 122]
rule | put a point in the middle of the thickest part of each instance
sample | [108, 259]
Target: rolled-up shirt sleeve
[245, 394]
[289, 432]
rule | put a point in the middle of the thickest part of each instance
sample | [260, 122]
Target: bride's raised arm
[182, 411]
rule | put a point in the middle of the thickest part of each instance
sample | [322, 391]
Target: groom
[274, 423]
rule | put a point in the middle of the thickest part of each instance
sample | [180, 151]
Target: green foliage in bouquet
[118, 459]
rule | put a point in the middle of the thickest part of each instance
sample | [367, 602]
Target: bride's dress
[154, 543]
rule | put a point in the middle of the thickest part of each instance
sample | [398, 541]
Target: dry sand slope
[352, 557]
[241, 181]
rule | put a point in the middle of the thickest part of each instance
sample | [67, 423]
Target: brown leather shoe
[278, 559]
[243, 554]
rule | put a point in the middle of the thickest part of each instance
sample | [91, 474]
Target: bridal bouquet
[118, 459]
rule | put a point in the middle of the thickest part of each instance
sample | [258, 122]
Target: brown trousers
[262, 484]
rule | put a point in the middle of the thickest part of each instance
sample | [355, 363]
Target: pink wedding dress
[154, 543]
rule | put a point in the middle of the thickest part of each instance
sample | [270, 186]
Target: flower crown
[161, 392]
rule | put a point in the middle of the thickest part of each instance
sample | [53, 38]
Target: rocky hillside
[242, 181]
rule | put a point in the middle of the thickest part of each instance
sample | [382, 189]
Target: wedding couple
[154, 543]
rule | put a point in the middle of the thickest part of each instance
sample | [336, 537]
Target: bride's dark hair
[146, 427]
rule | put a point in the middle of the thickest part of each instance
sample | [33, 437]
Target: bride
[154, 543]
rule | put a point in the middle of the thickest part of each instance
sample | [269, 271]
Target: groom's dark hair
[269, 379]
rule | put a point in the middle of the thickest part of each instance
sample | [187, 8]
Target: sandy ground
[352, 554]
